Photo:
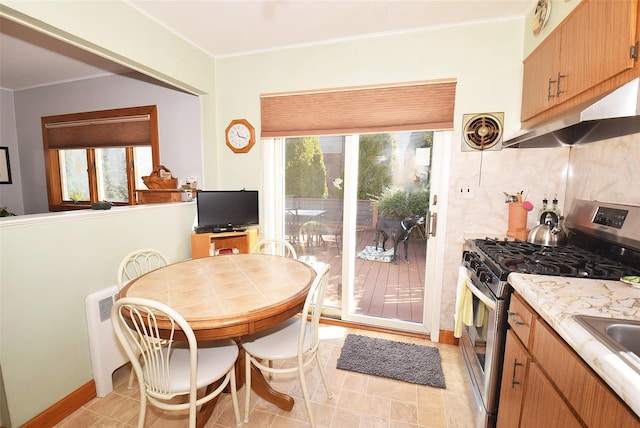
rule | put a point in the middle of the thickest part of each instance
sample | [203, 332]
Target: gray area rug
[396, 360]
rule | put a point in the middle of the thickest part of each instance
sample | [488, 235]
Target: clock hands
[241, 136]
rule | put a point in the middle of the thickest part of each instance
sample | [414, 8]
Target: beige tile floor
[358, 400]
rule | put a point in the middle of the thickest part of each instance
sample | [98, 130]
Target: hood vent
[615, 115]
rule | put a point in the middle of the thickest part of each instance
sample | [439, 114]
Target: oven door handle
[491, 304]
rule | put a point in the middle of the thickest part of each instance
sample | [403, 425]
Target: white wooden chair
[294, 339]
[275, 247]
[172, 368]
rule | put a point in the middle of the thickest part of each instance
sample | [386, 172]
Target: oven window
[479, 331]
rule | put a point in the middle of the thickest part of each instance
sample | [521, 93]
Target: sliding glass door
[332, 191]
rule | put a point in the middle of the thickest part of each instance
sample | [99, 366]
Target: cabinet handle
[558, 91]
[512, 316]
[514, 382]
[549, 94]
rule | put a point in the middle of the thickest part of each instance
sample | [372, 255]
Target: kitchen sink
[620, 335]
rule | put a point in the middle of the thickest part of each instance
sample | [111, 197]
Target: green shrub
[376, 155]
[398, 204]
[304, 168]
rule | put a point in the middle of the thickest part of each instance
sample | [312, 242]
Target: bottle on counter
[545, 207]
[554, 206]
[556, 209]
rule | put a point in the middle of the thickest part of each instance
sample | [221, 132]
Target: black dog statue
[398, 231]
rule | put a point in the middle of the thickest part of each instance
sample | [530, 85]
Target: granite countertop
[557, 299]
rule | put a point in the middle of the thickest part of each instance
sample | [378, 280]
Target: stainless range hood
[614, 115]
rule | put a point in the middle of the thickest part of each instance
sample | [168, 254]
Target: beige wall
[49, 264]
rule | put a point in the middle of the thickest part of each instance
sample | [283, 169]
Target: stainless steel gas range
[603, 243]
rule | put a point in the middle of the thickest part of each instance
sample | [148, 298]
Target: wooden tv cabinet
[243, 241]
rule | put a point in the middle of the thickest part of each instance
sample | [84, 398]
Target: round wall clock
[240, 136]
[541, 15]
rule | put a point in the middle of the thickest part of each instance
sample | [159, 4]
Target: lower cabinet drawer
[521, 318]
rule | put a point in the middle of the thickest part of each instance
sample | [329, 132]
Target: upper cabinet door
[539, 79]
[596, 43]
[591, 46]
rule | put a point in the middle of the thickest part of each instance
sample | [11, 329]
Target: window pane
[143, 164]
[111, 174]
[73, 175]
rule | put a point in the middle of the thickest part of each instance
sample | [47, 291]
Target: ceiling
[225, 27]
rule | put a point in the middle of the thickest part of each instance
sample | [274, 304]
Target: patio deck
[381, 289]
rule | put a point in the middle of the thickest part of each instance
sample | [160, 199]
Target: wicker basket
[160, 178]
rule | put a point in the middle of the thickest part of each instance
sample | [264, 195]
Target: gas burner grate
[569, 261]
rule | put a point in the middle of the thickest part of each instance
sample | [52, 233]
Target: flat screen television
[226, 210]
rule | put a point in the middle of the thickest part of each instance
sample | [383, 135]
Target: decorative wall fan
[482, 131]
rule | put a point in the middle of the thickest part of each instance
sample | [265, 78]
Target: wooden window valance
[410, 106]
[107, 128]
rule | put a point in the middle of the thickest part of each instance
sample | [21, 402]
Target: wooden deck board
[381, 289]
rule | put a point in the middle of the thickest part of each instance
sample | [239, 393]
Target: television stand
[201, 243]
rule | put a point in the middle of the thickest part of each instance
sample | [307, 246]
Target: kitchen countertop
[557, 299]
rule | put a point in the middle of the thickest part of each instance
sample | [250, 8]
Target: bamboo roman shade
[411, 106]
[101, 129]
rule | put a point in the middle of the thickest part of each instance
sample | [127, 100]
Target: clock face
[240, 136]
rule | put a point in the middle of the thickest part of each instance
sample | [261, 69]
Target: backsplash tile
[607, 171]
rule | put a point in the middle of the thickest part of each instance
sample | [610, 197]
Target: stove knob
[485, 277]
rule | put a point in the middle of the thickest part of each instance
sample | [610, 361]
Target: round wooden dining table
[228, 297]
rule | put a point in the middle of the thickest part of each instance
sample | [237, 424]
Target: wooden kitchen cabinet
[516, 365]
[545, 383]
[543, 406]
[540, 78]
[588, 55]
[590, 397]
[527, 397]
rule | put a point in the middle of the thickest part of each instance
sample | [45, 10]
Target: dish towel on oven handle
[464, 303]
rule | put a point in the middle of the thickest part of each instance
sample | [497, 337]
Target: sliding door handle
[432, 223]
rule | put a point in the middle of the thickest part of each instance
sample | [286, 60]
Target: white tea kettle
[548, 232]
